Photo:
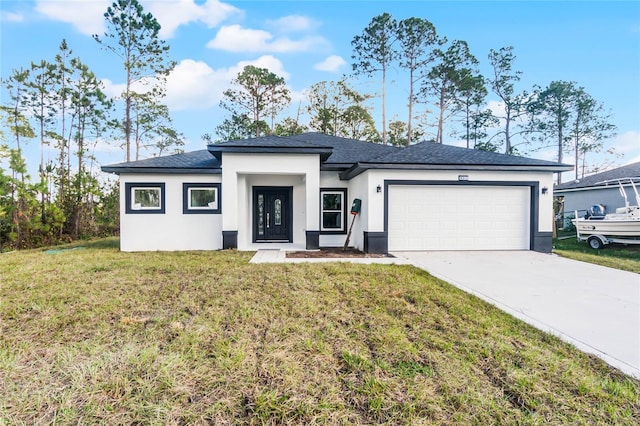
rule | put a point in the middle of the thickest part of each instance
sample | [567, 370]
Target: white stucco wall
[241, 172]
[172, 230]
[375, 218]
[332, 180]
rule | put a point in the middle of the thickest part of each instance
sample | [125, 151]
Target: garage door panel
[458, 218]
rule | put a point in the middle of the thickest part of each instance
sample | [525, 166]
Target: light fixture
[544, 189]
[378, 188]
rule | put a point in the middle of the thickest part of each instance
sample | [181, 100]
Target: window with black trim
[333, 213]
[144, 197]
[201, 198]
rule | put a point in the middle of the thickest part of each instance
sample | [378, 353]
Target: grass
[98, 336]
[618, 256]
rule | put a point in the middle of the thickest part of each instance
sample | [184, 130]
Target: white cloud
[627, 143]
[293, 23]
[172, 14]
[234, 38]
[331, 64]
[86, 16]
[195, 85]
[6, 16]
[115, 90]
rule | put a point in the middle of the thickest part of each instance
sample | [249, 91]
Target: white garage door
[458, 217]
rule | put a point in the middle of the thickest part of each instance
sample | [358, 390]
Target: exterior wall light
[378, 188]
[545, 189]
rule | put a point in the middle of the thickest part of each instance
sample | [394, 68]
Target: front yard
[618, 256]
[97, 336]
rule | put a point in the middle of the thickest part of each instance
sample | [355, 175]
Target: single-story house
[600, 188]
[297, 191]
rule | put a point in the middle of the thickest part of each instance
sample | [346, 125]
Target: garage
[459, 217]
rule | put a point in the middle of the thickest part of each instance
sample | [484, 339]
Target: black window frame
[186, 209]
[130, 186]
[342, 231]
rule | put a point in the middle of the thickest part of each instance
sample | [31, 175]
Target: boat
[623, 226]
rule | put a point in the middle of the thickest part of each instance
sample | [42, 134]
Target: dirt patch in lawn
[332, 252]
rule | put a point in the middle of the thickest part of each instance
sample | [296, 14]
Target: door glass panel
[260, 214]
[277, 208]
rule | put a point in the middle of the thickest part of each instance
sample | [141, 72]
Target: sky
[595, 44]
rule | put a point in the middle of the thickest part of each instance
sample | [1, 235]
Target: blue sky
[596, 44]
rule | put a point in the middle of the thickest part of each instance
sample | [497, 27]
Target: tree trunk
[410, 106]
[384, 100]
[507, 136]
[441, 116]
[127, 116]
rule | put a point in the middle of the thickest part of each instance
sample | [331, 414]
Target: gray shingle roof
[345, 151]
[438, 154]
[348, 151]
[196, 161]
[630, 170]
[338, 153]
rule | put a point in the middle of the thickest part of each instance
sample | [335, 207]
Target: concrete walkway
[595, 308]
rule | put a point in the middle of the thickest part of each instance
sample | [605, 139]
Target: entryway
[272, 214]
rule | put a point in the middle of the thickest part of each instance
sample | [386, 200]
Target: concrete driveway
[597, 309]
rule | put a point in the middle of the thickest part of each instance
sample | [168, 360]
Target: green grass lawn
[618, 256]
[98, 336]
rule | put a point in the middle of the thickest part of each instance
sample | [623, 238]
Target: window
[333, 215]
[144, 198]
[200, 198]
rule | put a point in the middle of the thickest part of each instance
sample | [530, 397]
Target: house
[600, 188]
[297, 191]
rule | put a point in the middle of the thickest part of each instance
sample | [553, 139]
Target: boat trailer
[597, 241]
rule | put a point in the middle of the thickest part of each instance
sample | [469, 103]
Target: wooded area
[60, 103]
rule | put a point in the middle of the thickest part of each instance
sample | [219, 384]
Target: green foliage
[339, 110]
[289, 127]
[451, 80]
[132, 35]
[374, 51]
[566, 114]
[65, 101]
[417, 39]
[257, 94]
[503, 84]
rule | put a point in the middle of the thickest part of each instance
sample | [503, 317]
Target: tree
[290, 126]
[481, 120]
[337, 109]
[550, 111]
[399, 133]
[471, 94]
[258, 93]
[416, 38]
[152, 127]
[590, 126]
[133, 36]
[445, 80]
[565, 113]
[502, 84]
[233, 128]
[373, 52]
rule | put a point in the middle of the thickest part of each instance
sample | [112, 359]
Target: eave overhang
[217, 150]
[361, 167]
[161, 170]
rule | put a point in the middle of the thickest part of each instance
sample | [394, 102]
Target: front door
[272, 214]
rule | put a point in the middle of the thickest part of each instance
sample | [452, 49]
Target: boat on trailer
[623, 226]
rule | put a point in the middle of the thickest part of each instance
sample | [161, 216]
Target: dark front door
[272, 214]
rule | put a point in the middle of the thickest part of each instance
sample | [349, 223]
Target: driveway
[595, 308]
